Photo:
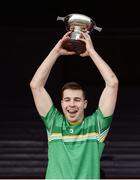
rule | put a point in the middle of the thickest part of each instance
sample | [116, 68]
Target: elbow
[114, 83]
[33, 85]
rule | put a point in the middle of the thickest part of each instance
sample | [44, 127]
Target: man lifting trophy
[75, 141]
[77, 23]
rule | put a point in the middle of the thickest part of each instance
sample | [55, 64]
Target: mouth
[72, 112]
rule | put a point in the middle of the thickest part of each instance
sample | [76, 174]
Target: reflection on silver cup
[77, 23]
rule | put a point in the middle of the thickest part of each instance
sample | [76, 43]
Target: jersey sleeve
[102, 124]
[51, 117]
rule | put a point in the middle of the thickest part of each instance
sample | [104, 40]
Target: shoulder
[98, 115]
[53, 112]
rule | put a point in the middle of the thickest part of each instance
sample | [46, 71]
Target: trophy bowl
[77, 23]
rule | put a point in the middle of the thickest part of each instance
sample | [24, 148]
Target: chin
[72, 120]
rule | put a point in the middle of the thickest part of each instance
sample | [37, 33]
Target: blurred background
[28, 31]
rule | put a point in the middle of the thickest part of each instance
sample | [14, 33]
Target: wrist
[92, 52]
[55, 53]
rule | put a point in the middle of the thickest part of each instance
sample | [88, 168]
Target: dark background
[28, 31]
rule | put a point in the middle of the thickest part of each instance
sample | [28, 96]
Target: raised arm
[41, 97]
[108, 97]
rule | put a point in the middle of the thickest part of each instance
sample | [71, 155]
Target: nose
[72, 103]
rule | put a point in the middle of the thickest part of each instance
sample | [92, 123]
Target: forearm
[42, 73]
[104, 69]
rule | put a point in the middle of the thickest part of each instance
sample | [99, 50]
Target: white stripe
[103, 134]
[73, 139]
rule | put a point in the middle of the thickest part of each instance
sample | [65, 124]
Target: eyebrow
[74, 98]
[66, 98]
[78, 98]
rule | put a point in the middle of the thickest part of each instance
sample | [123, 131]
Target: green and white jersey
[74, 151]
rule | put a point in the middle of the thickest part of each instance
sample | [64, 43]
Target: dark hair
[74, 86]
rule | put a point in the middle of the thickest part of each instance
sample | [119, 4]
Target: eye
[66, 99]
[77, 99]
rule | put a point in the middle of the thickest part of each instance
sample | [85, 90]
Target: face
[73, 105]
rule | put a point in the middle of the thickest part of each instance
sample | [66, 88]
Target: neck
[74, 122]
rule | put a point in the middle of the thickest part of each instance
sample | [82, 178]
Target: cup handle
[98, 28]
[60, 18]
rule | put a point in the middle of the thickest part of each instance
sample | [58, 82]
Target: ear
[85, 104]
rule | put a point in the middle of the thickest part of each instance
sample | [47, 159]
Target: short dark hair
[74, 86]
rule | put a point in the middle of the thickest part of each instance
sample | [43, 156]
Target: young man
[75, 142]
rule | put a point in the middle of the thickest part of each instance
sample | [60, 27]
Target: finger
[83, 54]
[71, 53]
[81, 39]
[67, 34]
[64, 38]
[85, 35]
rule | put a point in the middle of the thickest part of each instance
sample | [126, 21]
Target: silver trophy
[77, 23]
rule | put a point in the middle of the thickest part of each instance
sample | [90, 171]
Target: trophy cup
[77, 23]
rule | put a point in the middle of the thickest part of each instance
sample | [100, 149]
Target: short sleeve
[51, 117]
[103, 124]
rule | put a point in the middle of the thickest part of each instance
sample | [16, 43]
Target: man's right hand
[59, 46]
